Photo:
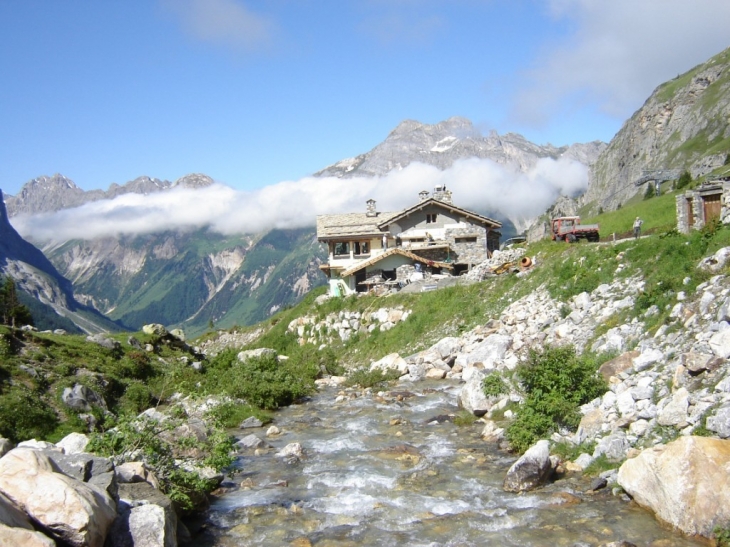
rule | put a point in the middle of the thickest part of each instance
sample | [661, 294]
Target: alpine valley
[200, 279]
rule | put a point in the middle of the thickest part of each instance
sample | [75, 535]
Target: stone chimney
[442, 194]
[423, 194]
[370, 208]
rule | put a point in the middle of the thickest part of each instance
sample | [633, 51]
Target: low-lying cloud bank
[477, 184]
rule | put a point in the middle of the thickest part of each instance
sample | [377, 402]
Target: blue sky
[256, 93]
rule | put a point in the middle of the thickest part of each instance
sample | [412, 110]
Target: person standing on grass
[637, 227]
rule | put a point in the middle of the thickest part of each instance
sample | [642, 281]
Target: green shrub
[262, 381]
[494, 385]
[137, 397]
[599, 465]
[569, 451]
[722, 535]
[150, 440]
[25, 415]
[464, 418]
[364, 377]
[230, 414]
[556, 382]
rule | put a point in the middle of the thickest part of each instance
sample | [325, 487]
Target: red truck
[570, 229]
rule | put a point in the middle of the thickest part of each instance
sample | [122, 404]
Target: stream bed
[394, 470]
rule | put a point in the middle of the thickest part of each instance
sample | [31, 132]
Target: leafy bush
[364, 377]
[494, 385]
[464, 418]
[25, 415]
[599, 465]
[137, 397]
[230, 414]
[262, 381]
[152, 441]
[556, 382]
[722, 536]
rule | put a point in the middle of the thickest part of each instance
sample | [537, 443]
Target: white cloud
[618, 53]
[477, 184]
[223, 22]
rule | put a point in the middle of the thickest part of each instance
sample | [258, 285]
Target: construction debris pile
[501, 262]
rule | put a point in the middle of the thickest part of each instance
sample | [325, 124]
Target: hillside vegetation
[125, 374]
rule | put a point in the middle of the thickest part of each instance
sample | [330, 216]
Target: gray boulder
[472, 397]
[614, 446]
[251, 422]
[720, 422]
[104, 341]
[244, 356]
[531, 470]
[79, 397]
[146, 518]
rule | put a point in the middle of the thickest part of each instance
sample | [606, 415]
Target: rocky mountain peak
[446, 142]
[193, 180]
[684, 124]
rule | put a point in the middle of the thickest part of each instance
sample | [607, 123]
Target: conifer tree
[12, 312]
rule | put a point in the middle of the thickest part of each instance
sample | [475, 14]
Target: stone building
[375, 248]
[696, 207]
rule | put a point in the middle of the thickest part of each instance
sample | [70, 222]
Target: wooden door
[712, 205]
[690, 214]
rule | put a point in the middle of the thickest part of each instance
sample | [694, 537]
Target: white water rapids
[383, 472]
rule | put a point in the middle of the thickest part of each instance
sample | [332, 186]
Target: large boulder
[155, 329]
[73, 443]
[531, 470]
[12, 515]
[146, 518]
[492, 349]
[472, 397]
[81, 398]
[392, 361]
[720, 422]
[71, 510]
[22, 537]
[104, 340]
[686, 483]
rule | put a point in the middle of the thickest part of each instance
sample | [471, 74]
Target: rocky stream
[392, 469]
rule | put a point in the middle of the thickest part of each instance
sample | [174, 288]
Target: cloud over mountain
[616, 53]
[478, 184]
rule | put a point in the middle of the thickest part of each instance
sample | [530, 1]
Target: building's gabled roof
[350, 224]
[390, 252]
[383, 224]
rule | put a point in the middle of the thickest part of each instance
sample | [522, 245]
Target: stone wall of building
[472, 252]
[695, 199]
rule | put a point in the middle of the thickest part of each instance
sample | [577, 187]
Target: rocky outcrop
[692, 108]
[686, 483]
[71, 510]
[531, 470]
[146, 518]
[345, 324]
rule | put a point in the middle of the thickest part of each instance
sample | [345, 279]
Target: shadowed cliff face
[26, 264]
[14, 247]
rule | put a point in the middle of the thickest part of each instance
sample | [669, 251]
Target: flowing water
[392, 471]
